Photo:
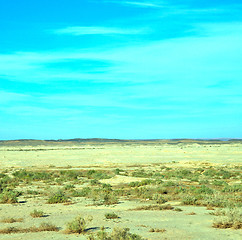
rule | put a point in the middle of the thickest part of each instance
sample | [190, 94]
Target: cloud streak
[79, 30]
[142, 4]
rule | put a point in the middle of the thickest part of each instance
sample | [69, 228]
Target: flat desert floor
[180, 189]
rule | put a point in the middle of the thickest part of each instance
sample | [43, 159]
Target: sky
[128, 69]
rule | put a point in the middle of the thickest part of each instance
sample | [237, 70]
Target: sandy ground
[178, 225]
[111, 155]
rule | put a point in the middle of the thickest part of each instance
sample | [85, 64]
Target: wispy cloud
[143, 4]
[78, 30]
[8, 97]
[199, 58]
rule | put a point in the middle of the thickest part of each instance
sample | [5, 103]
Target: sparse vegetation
[42, 228]
[214, 187]
[154, 207]
[116, 234]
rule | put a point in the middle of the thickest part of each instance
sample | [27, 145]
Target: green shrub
[219, 183]
[169, 184]
[110, 199]
[84, 192]
[233, 188]
[93, 174]
[141, 173]
[69, 187]
[9, 196]
[189, 200]
[58, 197]
[158, 198]
[94, 182]
[111, 215]
[204, 189]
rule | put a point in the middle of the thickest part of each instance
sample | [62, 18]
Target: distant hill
[101, 141]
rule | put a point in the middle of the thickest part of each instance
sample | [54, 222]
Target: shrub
[93, 174]
[158, 198]
[154, 207]
[219, 183]
[230, 218]
[216, 200]
[233, 188]
[9, 196]
[78, 225]
[204, 189]
[110, 199]
[69, 187]
[189, 200]
[111, 215]
[169, 184]
[84, 192]
[141, 173]
[58, 197]
[37, 214]
[177, 209]
[94, 182]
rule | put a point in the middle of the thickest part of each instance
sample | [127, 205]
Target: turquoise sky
[120, 69]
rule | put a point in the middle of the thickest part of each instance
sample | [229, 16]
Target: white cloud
[79, 30]
[143, 4]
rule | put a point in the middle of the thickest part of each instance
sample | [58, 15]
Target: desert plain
[101, 189]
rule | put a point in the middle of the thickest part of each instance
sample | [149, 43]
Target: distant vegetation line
[101, 141]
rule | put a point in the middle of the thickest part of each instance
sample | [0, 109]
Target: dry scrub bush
[154, 207]
[229, 218]
[37, 214]
[11, 220]
[78, 225]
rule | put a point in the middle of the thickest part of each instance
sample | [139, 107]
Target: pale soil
[109, 155]
[178, 225]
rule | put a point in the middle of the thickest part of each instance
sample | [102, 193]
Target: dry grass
[11, 220]
[153, 207]
[191, 213]
[162, 230]
[210, 208]
[227, 224]
[42, 228]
